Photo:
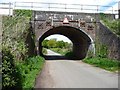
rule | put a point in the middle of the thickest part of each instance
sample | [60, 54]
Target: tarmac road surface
[74, 74]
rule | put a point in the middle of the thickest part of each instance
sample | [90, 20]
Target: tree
[52, 43]
[44, 43]
[60, 44]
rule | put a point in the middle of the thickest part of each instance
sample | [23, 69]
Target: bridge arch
[81, 41]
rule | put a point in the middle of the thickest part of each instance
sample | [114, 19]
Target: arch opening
[57, 46]
[81, 41]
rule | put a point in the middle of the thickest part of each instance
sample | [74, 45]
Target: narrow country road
[50, 53]
[74, 74]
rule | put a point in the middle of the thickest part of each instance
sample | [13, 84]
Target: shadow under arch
[81, 41]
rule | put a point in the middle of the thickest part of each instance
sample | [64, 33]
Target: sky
[59, 38]
[113, 3]
[84, 2]
[90, 2]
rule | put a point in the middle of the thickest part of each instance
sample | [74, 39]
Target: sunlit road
[50, 53]
[74, 74]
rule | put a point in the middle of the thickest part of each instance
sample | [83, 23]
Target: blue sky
[111, 3]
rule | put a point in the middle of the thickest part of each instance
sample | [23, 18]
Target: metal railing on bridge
[41, 6]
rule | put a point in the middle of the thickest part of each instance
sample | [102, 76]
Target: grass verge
[29, 69]
[105, 63]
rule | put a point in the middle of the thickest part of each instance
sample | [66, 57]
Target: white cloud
[59, 38]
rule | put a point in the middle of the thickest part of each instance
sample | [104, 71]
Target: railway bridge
[80, 28]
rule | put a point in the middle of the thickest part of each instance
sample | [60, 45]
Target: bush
[10, 74]
[15, 31]
[22, 74]
[44, 51]
[29, 70]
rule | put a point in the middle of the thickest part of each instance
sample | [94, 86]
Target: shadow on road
[51, 55]
[55, 57]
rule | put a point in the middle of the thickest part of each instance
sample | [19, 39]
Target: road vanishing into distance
[74, 74]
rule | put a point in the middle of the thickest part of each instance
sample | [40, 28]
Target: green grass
[110, 65]
[29, 70]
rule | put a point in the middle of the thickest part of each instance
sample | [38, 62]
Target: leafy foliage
[10, 75]
[29, 70]
[44, 43]
[60, 44]
[53, 43]
[25, 13]
[15, 31]
[44, 51]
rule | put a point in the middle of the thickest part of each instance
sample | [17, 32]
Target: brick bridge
[80, 28]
